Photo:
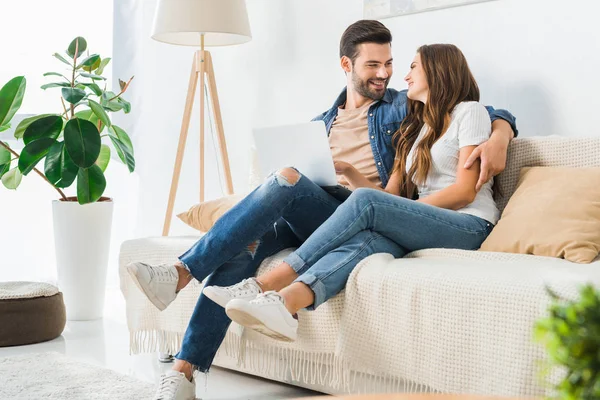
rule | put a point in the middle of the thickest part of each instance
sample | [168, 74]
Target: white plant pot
[82, 241]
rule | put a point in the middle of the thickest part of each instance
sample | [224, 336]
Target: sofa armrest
[153, 250]
[152, 330]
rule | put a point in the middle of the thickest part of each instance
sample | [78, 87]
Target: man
[288, 207]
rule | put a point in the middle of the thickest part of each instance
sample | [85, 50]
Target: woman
[444, 126]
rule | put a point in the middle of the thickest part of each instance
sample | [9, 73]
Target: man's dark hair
[363, 31]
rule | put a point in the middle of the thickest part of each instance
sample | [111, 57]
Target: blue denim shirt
[384, 119]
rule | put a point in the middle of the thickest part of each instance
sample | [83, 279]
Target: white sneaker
[265, 314]
[175, 386]
[247, 289]
[157, 282]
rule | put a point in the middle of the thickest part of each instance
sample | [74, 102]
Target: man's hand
[342, 167]
[492, 153]
[353, 176]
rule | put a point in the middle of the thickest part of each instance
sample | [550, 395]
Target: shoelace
[269, 297]
[167, 387]
[161, 273]
[247, 286]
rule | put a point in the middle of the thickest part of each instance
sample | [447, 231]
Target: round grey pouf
[30, 312]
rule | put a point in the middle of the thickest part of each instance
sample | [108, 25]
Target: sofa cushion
[544, 151]
[204, 215]
[554, 212]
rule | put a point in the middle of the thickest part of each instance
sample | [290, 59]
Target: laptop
[303, 146]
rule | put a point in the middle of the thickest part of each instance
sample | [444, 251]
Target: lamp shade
[223, 22]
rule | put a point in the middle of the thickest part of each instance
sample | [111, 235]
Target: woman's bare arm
[462, 192]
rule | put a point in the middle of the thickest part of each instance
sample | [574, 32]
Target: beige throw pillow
[204, 215]
[554, 212]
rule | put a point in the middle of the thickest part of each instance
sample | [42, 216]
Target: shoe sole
[133, 270]
[249, 321]
[165, 358]
[215, 297]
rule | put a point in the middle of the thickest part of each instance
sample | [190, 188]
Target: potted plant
[75, 147]
[571, 335]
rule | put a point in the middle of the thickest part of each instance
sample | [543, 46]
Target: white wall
[536, 58]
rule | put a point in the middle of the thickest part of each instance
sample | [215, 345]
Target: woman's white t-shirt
[470, 126]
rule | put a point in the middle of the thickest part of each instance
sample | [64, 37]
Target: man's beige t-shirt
[349, 141]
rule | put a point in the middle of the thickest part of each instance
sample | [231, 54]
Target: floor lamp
[200, 23]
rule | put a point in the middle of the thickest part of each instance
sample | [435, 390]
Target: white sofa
[437, 320]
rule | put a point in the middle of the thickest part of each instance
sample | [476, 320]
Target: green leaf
[100, 113]
[56, 74]
[89, 61]
[11, 98]
[12, 179]
[73, 95]
[108, 104]
[102, 65]
[80, 49]
[103, 158]
[55, 84]
[113, 106]
[82, 140]
[120, 134]
[126, 105]
[106, 96]
[47, 127]
[90, 184]
[90, 116]
[20, 131]
[123, 145]
[4, 168]
[92, 76]
[61, 58]
[5, 160]
[59, 168]
[33, 153]
[124, 154]
[94, 87]
[5, 127]
[5, 156]
[93, 66]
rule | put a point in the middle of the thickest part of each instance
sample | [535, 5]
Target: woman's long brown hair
[450, 82]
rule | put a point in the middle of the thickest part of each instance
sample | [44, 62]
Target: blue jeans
[275, 216]
[371, 221]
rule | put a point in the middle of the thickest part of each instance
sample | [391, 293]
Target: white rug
[55, 376]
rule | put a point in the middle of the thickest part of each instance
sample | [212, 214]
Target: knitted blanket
[447, 321]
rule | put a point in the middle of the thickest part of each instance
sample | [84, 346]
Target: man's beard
[362, 87]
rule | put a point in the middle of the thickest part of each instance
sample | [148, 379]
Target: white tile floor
[105, 342]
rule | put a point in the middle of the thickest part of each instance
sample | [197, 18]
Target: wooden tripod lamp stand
[200, 23]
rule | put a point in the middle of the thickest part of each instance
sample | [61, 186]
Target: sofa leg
[165, 357]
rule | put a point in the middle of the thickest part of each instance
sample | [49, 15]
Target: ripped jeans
[279, 214]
